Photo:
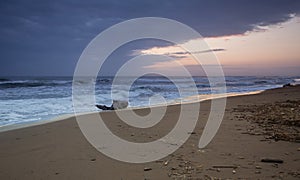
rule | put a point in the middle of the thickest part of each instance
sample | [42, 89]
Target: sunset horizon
[149, 89]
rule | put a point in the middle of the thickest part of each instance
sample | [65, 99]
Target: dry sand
[59, 150]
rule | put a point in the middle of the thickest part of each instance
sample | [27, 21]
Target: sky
[249, 37]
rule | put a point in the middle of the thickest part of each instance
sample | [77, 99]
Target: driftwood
[117, 104]
[270, 160]
[103, 107]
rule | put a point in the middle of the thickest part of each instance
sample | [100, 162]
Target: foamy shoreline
[187, 100]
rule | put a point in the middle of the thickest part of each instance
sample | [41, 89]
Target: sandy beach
[250, 131]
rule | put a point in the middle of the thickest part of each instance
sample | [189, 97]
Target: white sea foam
[30, 100]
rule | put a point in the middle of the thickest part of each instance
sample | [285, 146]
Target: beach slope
[58, 150]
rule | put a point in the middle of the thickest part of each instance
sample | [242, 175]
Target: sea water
[25, 100]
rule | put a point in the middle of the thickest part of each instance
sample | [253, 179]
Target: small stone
[257, 167]
[94, 159]
[199, 166]
[233, 171]
[241, 157]
[298, 149]
[219, 170]
[173, 168]
[166, 163]
[257, 172]
[147, 169]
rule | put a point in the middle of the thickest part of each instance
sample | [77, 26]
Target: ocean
[24, 100]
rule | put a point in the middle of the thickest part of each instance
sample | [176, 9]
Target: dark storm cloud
[36, 35]
[211, 18]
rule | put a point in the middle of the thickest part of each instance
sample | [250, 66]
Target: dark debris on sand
[277, 121]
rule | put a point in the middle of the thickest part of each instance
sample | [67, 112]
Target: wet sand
[59, 150]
